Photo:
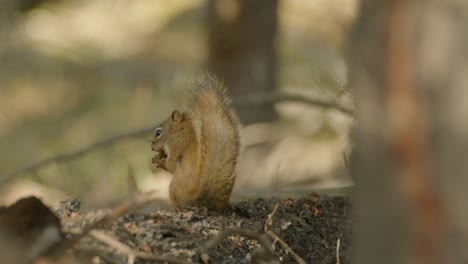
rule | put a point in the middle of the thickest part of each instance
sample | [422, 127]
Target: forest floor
[315, 228]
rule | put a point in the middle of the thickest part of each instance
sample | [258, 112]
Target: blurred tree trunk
[410, 72]
[242, 51]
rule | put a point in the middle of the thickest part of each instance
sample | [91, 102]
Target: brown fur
[200, 147]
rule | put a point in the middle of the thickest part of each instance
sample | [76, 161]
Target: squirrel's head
[168, 130]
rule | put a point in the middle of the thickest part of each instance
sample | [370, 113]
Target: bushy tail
[218, 130]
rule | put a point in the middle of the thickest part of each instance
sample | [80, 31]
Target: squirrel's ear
[177, 116]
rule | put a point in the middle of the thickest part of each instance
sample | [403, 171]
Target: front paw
[160, 159]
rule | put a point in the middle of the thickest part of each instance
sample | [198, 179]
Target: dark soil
[310, 225]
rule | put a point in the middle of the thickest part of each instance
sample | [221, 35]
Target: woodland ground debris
[310, 226]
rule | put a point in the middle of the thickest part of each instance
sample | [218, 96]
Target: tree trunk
[410, 72]
[242, 51]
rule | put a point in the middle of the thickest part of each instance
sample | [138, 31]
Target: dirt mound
[310, 226]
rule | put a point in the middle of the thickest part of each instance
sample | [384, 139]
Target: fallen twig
[121, 209]
[110, 241]
[131, 254]
[338, 251]
[286, 247]
[269, 221]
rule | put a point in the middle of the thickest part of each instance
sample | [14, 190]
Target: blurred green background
[74, 72]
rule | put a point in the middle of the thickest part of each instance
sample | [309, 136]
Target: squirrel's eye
[158, 132]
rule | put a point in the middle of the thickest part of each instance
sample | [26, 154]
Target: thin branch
[269, 221]
[277, 97]
[131, 254]
[121, 209]
[255, 99]
[286, 247]
[117, 245]
[338, 251]
[76, 153]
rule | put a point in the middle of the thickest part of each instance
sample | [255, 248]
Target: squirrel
[200, 147]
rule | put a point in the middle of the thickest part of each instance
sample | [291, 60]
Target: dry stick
[110, 241]
[256, 99]
[268, 223]
[286, 247]
[338, 251]
[121, 209]
[131, 254]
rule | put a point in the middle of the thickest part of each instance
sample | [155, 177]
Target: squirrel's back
[217, 129]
